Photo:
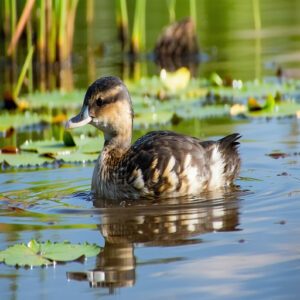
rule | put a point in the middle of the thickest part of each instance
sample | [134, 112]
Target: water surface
[239, 245]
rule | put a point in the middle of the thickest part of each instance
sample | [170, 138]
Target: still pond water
[241, 245]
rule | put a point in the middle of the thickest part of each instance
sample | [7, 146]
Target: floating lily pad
[23, 159]
[22, 255]
[89, 145]
[20, 120]
[42, 147]
[77, 157]
[66, 251]
[82, 144]
[69, 100]
[282, 109]
[38, 153]
[39, 254]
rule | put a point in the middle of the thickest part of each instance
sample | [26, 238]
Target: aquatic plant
[51, 35]
[122, 23]
[138, 39]
[35, 253]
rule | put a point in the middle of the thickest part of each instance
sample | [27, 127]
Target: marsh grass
[46, 26]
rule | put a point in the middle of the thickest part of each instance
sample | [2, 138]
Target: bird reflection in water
[172, 222]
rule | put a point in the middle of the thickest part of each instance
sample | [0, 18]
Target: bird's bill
[81, 119]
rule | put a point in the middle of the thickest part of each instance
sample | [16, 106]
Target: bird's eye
[99, 102]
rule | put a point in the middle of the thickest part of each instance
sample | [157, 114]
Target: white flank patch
[217, 169]
[173, 179]
[138, 182]
[170, 166]
[191, 173]
[171, 175]
[187, 161]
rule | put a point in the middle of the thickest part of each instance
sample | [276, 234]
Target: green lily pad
[49, 146]
[35, 154]
[77, 156]
[19, 120]
[66, 251]
[147, 119]
[202, 112]
[23, 159]
[282, 109]
[21, 255]
[57, 99]
[39, 254]
[81, 144]
[89, 145]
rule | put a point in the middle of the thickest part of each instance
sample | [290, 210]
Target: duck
[160, 164]
[177, 46]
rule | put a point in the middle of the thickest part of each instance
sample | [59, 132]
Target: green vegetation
[155, 105]
[47, 26]
[44, 254]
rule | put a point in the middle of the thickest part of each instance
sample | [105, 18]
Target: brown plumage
[177, 46]
[159, 164]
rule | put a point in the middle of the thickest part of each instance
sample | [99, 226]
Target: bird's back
[168, 164]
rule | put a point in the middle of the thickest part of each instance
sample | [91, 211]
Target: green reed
[47, 26]
[122, 23]
[23, 73]
[138, 38]
[41, 40]
[29, 47]
[171, 9]
[256, 15]
[193, 11]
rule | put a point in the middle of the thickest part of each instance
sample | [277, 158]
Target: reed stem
[16, 33]
[52, 20]
[71, 13]
[62, 44]
[13, 18]
[256, 15]
[90, 11]
[23, 72]
[29, 46]
[138, 33]
[193, 11]
[122, 23]
[42, 32]
[6, 25]
[171, 8]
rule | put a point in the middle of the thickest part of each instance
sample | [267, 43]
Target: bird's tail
[228, 146]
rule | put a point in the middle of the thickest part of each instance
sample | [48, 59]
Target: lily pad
[57, 99]
[39, 254]
[282, 109]
[22, 255]
[66, 251]
[23, 159]
[52, 152]
[48, 146]
[77, 156]
[20, 120]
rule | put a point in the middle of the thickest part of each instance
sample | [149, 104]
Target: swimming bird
[178, 47]
[160, 163]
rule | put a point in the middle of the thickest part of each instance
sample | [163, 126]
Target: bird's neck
[112, 155]
[118, 140]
